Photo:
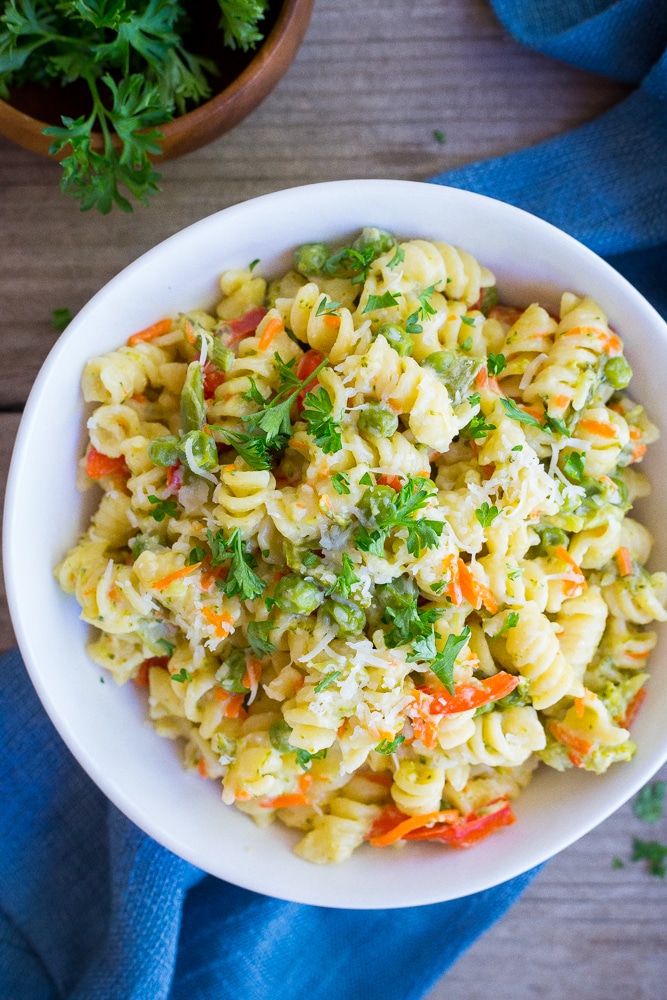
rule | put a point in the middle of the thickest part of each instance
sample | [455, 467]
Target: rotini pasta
[364, 540]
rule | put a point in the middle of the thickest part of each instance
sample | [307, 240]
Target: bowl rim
[531, 854]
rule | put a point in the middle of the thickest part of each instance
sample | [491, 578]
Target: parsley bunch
[398, 511]
[131, 56]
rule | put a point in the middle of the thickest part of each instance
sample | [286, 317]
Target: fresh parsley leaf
[253, 264]
[617, 863]
[653, 852]
[327, 680]
[409, 624]
[477, 428]
[241, 578]
[388, 747]
[182, 676]
[400, 513]
[327, 307]
[398, 258]
[513, 574]
[649, 804]
[511, 621]
[469, 321]
[318, 415]
[486, 515]
[253, 449]
[258, 637]
[443, 665]
[273, 418]
[340, 483]
[466, 344]
[351, 263]
[60, 318]
[412, 324]
[162, 508]
[516, 413]
[346, 578]
[197, 555]
[366, 479]
[573, 466]
[496, 363]
[426, 307]
[304, 758]
[439, 136]
[384, 301]
[555, 425]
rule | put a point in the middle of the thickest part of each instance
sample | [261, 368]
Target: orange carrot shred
[624, 560]
[413, 823]
[569, 739]
[599, 428]
[271, 330]
[222, 622]
[176, 575]
[150, 332]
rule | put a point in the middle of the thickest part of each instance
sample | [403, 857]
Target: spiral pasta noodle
[363, 540]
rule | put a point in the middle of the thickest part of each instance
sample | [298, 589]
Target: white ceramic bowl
[104, 725]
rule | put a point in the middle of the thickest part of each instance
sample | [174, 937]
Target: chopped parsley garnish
[411, 626]
[477, 428]
[322, 426]
[60, 318]
[511, 621]
[486, 515]
[258, 637]
[387, 747]
[346, 578]
[516, 413]
[513, 574]
[496, 363]
[439, 135]
[241, 578]
[163, 508]
[399, 512]
[384, 301]
[426, 307]
[468, 320]
[182, 676]
[653, 852]
[251, 448]
[398, 258]
[366, 479]
[466, 344]
[327, 307]
[443, 665]
[327, 680]
[197, 555]
[573, 466]
[412, 324]
[340, 483]
[304, 758]
[649, 804]
[351, 263]
[253, 264]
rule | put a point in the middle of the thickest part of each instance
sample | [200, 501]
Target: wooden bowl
[245, 80]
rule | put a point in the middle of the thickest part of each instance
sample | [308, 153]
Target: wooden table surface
[371, 84]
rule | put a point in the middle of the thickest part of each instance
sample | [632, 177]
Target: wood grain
[372, 82]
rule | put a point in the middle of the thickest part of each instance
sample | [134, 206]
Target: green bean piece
[221, 356]
[454, 370]
[193, 407]
[204, 450]
[348, 618]
[164, 451]
[397, 337]
[378, 502]
[279, 734]
[297, 595]
[310, 258]
[377, 240]
[378, 421]
[618, 372]
[232, 673]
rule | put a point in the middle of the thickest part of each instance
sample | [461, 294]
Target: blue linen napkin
[93, 909]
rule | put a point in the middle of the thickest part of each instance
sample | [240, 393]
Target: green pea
[204, 450]
[618, 372]
[377, 240]
[397, 337]
[378, 502]
[454, 370]
[193, 407]
[378, 421]
[398, 593]
[164, 451]
[310, 258]
[298, 596]
[345, 615]
[279, 734]
[231, 673]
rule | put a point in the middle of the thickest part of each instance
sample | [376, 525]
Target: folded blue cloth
[90, 907]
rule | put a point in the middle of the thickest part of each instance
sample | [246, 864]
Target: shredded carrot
[304, 782]
[482, 378]
[638, 452]
[242, 796]
[176, 575]
[569, 739]
[150, 332]
[272, 328]
[253, 672]
[579, 707]
[286, 801]
[571, 585]
[413, 823]
[599, 428]
[202, 768]
[232, 703]
[329, 320]
[575, 759]
[632, 709]
[392, 481]
[190, 333]
[611, 344]
[624, 560]
[454, 591]
[475, 592]
[533, 411]
[222, 623]
[561, 402]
